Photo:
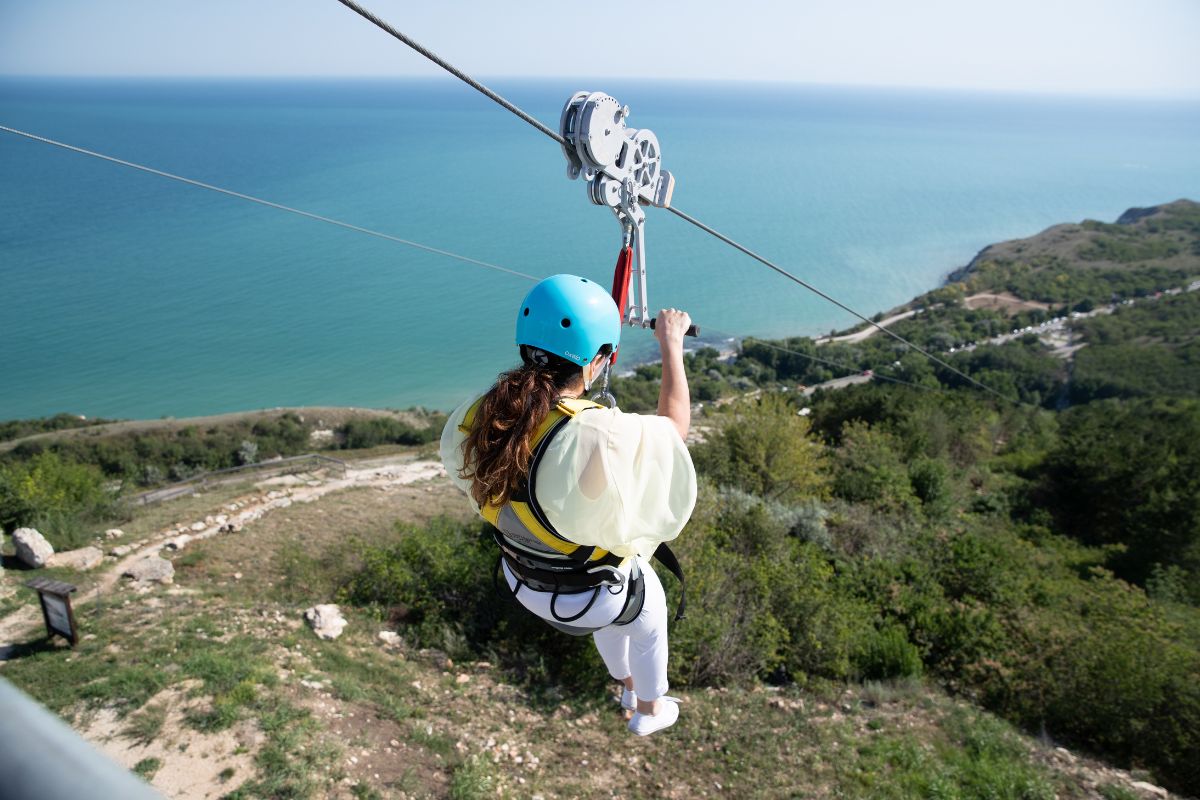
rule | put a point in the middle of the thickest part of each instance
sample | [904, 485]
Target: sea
[124, 294]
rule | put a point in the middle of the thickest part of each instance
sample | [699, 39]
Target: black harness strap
[569, 574]
[666, 557]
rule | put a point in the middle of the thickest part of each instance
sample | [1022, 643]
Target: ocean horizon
[128, 295]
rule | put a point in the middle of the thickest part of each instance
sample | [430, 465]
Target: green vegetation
[151, 457]
[20, 428]
[471, 781]
[1147, 350]
[914, 548]
[984, 761]
[359, 434]
[1042, 562]
[1038, 558]
[1149, 250]
[122, 668]
[59, 498]
[764, 448]
[1126, 475]
[146, 768]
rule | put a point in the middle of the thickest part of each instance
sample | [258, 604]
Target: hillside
[1145, 250]
[900, 585]
[212, 682]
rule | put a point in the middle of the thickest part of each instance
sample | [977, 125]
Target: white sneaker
[646, 724]
[628, 700]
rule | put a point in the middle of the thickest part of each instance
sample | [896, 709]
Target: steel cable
[389, 237]
[446, 65]
[823, 295]
[458, 73]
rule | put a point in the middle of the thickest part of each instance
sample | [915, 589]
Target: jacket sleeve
[623, 482]
[451, 448]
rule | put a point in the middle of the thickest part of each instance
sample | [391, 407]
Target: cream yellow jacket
[622, 482]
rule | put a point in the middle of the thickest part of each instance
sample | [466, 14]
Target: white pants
[637, 649]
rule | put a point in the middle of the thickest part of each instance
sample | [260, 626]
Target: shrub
[1128, 473]
[868, 469]
[363, 433]
[19, 428]
[57, 497]
[765, 449]
[887, 653]
[761, 601]
[438, 580]
[148, 457]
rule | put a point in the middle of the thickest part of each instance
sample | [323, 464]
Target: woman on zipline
[581, 496]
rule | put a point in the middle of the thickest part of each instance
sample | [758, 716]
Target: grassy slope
[224, 650]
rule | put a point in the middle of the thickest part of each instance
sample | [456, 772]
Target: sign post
[56, 607]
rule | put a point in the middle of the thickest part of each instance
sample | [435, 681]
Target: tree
[766, 449]
[1128, 473]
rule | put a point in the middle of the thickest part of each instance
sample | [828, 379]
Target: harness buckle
[618, 580]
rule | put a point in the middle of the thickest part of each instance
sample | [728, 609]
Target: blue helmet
[569, 316]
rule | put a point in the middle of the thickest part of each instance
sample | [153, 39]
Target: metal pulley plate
[598, 143]
[602, 130]
[623, 170]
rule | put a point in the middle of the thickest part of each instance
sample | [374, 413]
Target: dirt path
[870, 330]
[232, 517]
[1003, 301]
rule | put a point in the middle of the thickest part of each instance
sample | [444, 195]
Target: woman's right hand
[670, 327]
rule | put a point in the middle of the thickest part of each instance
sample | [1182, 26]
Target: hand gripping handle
[693, 330]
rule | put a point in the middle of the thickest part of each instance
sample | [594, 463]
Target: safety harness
[545, 560]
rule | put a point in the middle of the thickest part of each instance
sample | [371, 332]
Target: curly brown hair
[498, 450]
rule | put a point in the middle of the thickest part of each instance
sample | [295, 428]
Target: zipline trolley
[623, 170]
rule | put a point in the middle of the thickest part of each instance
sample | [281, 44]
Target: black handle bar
[693, 330]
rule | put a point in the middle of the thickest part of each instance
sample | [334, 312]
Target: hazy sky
[1091, 46]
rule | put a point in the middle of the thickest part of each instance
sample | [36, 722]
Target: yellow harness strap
[565, 408]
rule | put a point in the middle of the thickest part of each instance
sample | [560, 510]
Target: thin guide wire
[389, 237]
[268, 203]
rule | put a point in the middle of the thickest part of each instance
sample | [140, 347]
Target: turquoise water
[128, 295]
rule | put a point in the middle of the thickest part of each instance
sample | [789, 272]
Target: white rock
[150, 569]
[178, 543]
[389, 637]
[326, 620]
[198, 526]
[82, 559]
[121, 550]
[114, 533]
[1142, 786]
[32, 548]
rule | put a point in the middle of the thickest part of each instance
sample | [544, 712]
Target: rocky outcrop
[82, 559]
[32, 548]
[326, 620]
